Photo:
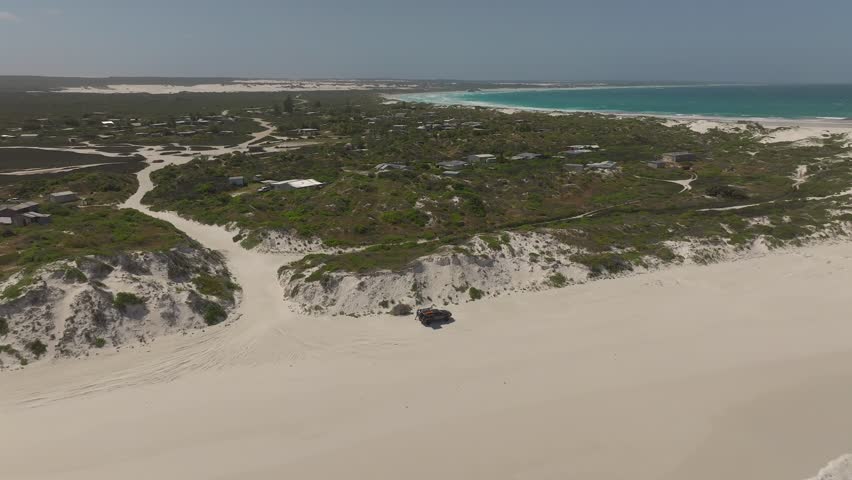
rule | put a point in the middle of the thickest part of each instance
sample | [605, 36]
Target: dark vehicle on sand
[428, 316]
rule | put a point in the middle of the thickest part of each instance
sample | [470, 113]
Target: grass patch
[10, 350]
[557, 280]
[79, 232]
[215, 286]
[17, 289]
[214, 314]
[37, 347]
[74, 274]
[123, 300]
[603, 264]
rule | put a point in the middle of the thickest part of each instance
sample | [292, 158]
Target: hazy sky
[706, 40]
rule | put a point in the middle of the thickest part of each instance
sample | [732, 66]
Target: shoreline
[830, 122]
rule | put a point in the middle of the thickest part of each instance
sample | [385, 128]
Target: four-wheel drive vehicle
[427, 316]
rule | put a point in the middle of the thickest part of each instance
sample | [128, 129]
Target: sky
[776, 41]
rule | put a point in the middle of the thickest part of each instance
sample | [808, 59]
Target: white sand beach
[239, 86]
[650, 376]
[734, 370]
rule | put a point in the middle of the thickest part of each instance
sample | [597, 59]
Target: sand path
[800, 176]
[684, 184]
[598, 381]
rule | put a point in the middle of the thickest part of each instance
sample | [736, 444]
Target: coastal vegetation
[398, 215]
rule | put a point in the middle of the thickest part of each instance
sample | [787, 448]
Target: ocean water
[758, 101]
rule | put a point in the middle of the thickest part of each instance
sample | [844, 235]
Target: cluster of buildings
[580, 149]
[109, 127]
[22, 214]
[450, 124]
[182, 127]
[453, 167]
[27, 213]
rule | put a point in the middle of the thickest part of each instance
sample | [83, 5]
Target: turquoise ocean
[739, 101]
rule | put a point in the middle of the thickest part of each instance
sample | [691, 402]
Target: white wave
[838, 469]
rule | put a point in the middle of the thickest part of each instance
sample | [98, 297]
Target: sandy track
[685, 185]
[599, 381]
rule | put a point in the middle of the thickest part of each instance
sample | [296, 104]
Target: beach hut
[452, 165]
[63, 197]
[675, 157]
[481, 158]
[296, 184]
[237, 181]
[526, 156]
[606, 166]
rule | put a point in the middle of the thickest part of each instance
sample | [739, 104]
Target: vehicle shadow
[439, 324]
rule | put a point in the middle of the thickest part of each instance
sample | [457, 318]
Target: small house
[606, 166]
[659, 164]
[63, 197]
[574, 167]
[307, 132]
[37, 218]
[256, 149]
[108, 124]
[676, 157]
[578, 151]
[296, 184]
[22, 214]
[526, 156]
[590, 147]
[452, 165]
[386, 167]
[237, 181]
[481, 158]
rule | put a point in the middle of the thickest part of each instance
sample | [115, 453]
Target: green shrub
[410, 216]
[17, 289]
[401, 309]
[37, 347]
[123, 300]
[475, 293]
[99, 342]
[727, 191]
[215, 286]
[493, 242]
[74, 274]
[4, 326]
[557, 280]
[602, 264]
[214, 314]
